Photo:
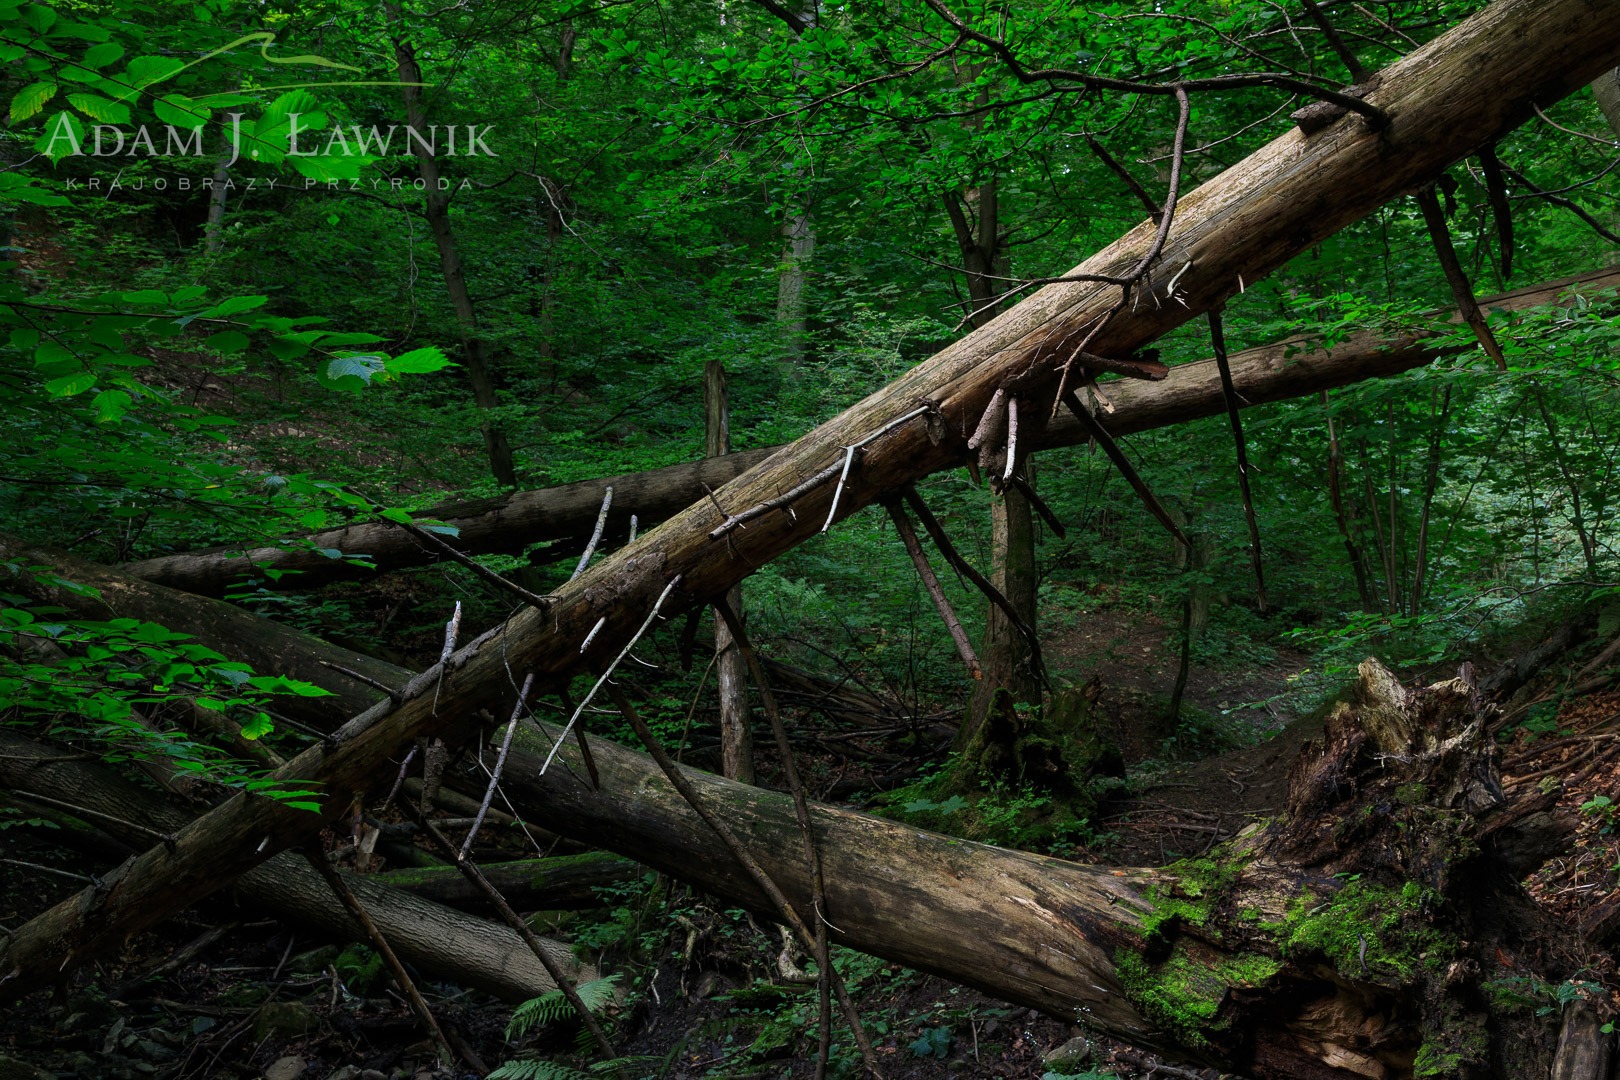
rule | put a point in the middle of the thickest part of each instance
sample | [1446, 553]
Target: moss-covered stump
[1368, 931]
[1028, 777]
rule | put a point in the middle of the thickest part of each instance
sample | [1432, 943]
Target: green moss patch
[1367, 931]
[1183, 994]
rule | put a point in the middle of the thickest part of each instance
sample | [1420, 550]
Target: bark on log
[555, 882]
[1284, 198]
[436, 938]
[509, 524]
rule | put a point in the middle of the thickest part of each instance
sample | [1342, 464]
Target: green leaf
[144, 71]
[233, 306]
[111, 404]
[258, 727]
[40, 18]
[418, 361]
[99, 56]
[69, 385]
[350, 373]
[227, 341]
[64, 136]
[30, 99]
[99, 108]
[181, 111]
[15, 187]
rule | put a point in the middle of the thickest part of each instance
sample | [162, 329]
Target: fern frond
[552, 1006]
[534, 1069]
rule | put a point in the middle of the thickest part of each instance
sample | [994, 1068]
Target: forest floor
[237, 997]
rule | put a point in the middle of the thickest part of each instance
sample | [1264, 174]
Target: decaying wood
[1282, 199]
[508, 524]
[426, 933]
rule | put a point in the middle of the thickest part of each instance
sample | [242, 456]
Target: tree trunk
[507, 524]
[731, 670]
[1284, 198]
[555, 882]
[436, 205]
[798, 234]
[1341, 513]
[436, 938]
[214, 228]
[1009, 678]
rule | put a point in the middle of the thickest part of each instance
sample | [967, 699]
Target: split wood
[1217, 337]
[1461, 289]
[1123, 464]
[936, 532]
[596, 535]
[500, 763]
[647, 623]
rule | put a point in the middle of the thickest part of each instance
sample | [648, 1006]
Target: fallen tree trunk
[509, 524]
[1349, 939]
[1284, 198]
[436, 938]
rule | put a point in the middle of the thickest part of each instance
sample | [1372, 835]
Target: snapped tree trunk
[731, 670]
[507, 524]
[472, 951]
[1284, 198]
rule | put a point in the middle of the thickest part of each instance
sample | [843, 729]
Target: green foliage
[95, 682]
[934, 1042]
[553, 1006]
[361, 968]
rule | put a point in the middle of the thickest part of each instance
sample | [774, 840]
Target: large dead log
[510, 523]
[439, 939]
[1351, 938]
[1284, 198]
